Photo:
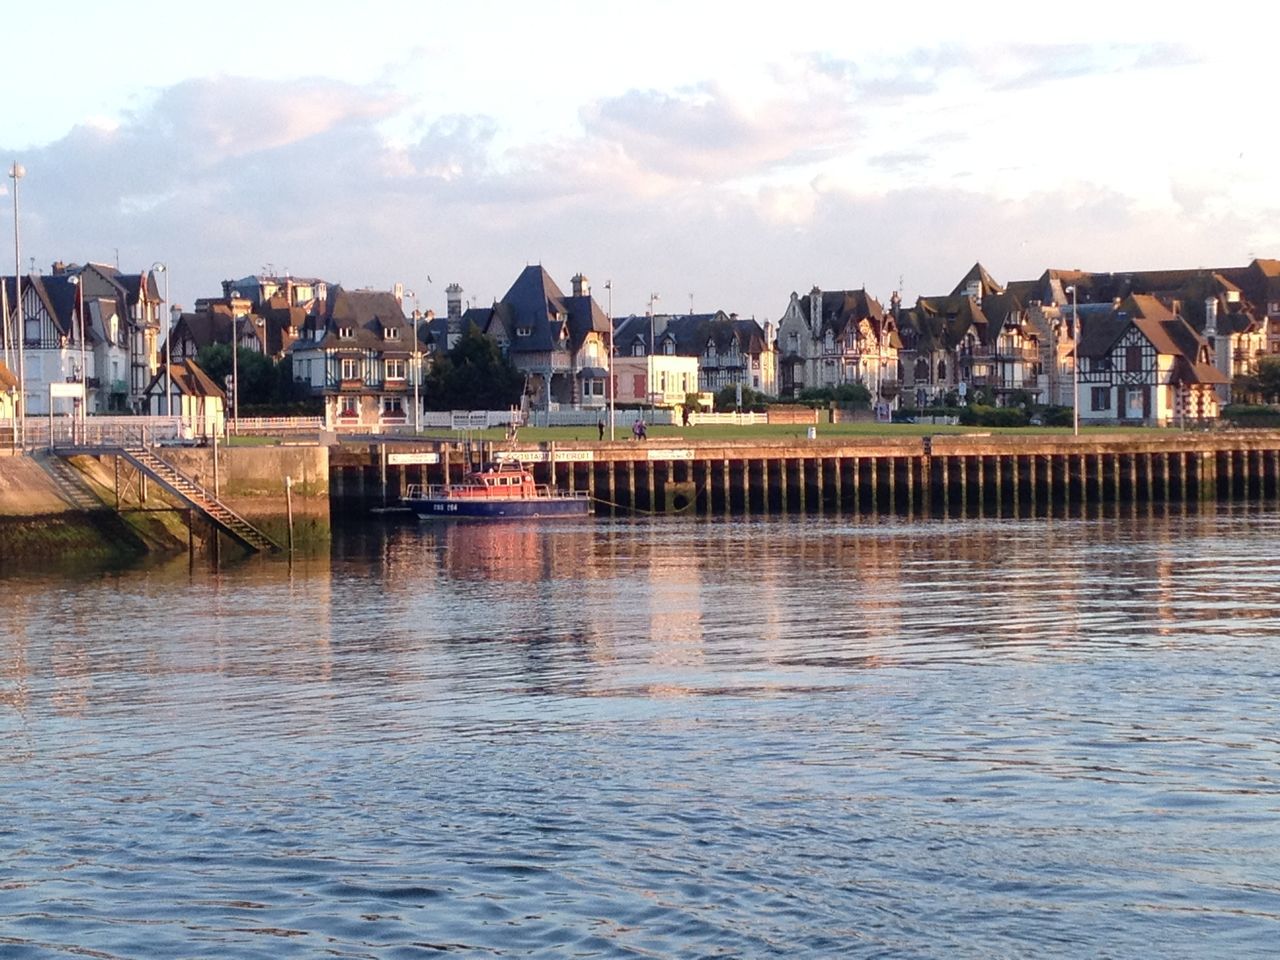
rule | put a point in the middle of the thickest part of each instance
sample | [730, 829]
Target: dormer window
[524, 331]
[390, 333]
[346, 333]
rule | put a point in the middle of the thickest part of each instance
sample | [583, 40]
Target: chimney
[1211, 317]
[453, 324]
[581, 286]
[454, 293]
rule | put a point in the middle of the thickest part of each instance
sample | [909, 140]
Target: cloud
[706, 133]
[700, 189]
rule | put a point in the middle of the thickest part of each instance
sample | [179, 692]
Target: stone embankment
[99, 508]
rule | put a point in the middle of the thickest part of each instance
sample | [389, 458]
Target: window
[395, 369]
[638, 350]
[669, 348]
[350, 368]
[392, 408]
[346, 333]
[390, 333]
[1100, 399]
[1133, 358]
[524, 331]
[349, 407]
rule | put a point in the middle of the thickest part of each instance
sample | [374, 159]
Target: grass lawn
[789, 431]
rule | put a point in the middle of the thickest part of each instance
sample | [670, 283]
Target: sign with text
[406, 459]
[674, 454]
[544, 456]
[468, 420]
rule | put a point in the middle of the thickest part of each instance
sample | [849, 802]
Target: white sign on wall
[404, 459]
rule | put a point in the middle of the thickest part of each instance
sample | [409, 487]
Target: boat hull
[497, 509]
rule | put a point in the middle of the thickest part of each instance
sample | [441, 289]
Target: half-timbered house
[1141, 363]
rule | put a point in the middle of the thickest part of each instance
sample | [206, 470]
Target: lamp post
[1075, 362]
[608, 285]
[84, 370]
[653, 298]
[416, 363]
[168, 387]
[16, 172]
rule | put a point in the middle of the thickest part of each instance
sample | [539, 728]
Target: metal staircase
[195, 496]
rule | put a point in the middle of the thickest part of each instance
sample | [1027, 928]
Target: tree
[727, 399]
[474, 375]
[256, 375]
[1268, 378]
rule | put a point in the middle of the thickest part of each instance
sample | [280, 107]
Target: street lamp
[168, 387]
[608, 285]
[16, 172]
[417, 366]
[1075, 362]
[84, 370]
[653, 298]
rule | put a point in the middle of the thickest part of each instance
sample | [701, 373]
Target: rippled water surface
[804, 737]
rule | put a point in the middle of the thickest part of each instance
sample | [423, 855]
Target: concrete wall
[251, 481]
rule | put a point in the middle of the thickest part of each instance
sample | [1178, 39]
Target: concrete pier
[942, 475]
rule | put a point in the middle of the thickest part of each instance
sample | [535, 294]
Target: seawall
[932, 476]
[101, 507]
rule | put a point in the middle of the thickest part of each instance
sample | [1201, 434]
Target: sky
[715, 155]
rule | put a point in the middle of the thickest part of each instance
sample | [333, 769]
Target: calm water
[800, 738]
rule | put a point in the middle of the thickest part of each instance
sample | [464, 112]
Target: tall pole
[653, 298]
[608, 285]
[1075, 362]
[16, 172]
[417, 369]
[235, 373]
[84, 370]
[168, 385]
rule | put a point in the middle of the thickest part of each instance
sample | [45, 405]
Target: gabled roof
[986, 283]
[188, 379]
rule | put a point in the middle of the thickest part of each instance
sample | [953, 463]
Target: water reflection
[813, 736]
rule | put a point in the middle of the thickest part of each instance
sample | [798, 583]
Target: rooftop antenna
[691, 304]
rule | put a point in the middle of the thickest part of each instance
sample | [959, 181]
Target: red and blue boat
[499, 489]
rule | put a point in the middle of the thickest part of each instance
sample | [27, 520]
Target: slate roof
[840, 308]
[941, 322]
[537, 317]
[366, 313]
[690, 333]
[204, 328]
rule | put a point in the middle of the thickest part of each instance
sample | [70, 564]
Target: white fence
[274, 426]
[93, 431]
[732, 419]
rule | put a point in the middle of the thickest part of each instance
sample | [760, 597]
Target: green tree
[474, 375]
[727, 399]
[257, 378]
[1268, 378]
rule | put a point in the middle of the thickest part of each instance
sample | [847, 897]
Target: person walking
[600, 427]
